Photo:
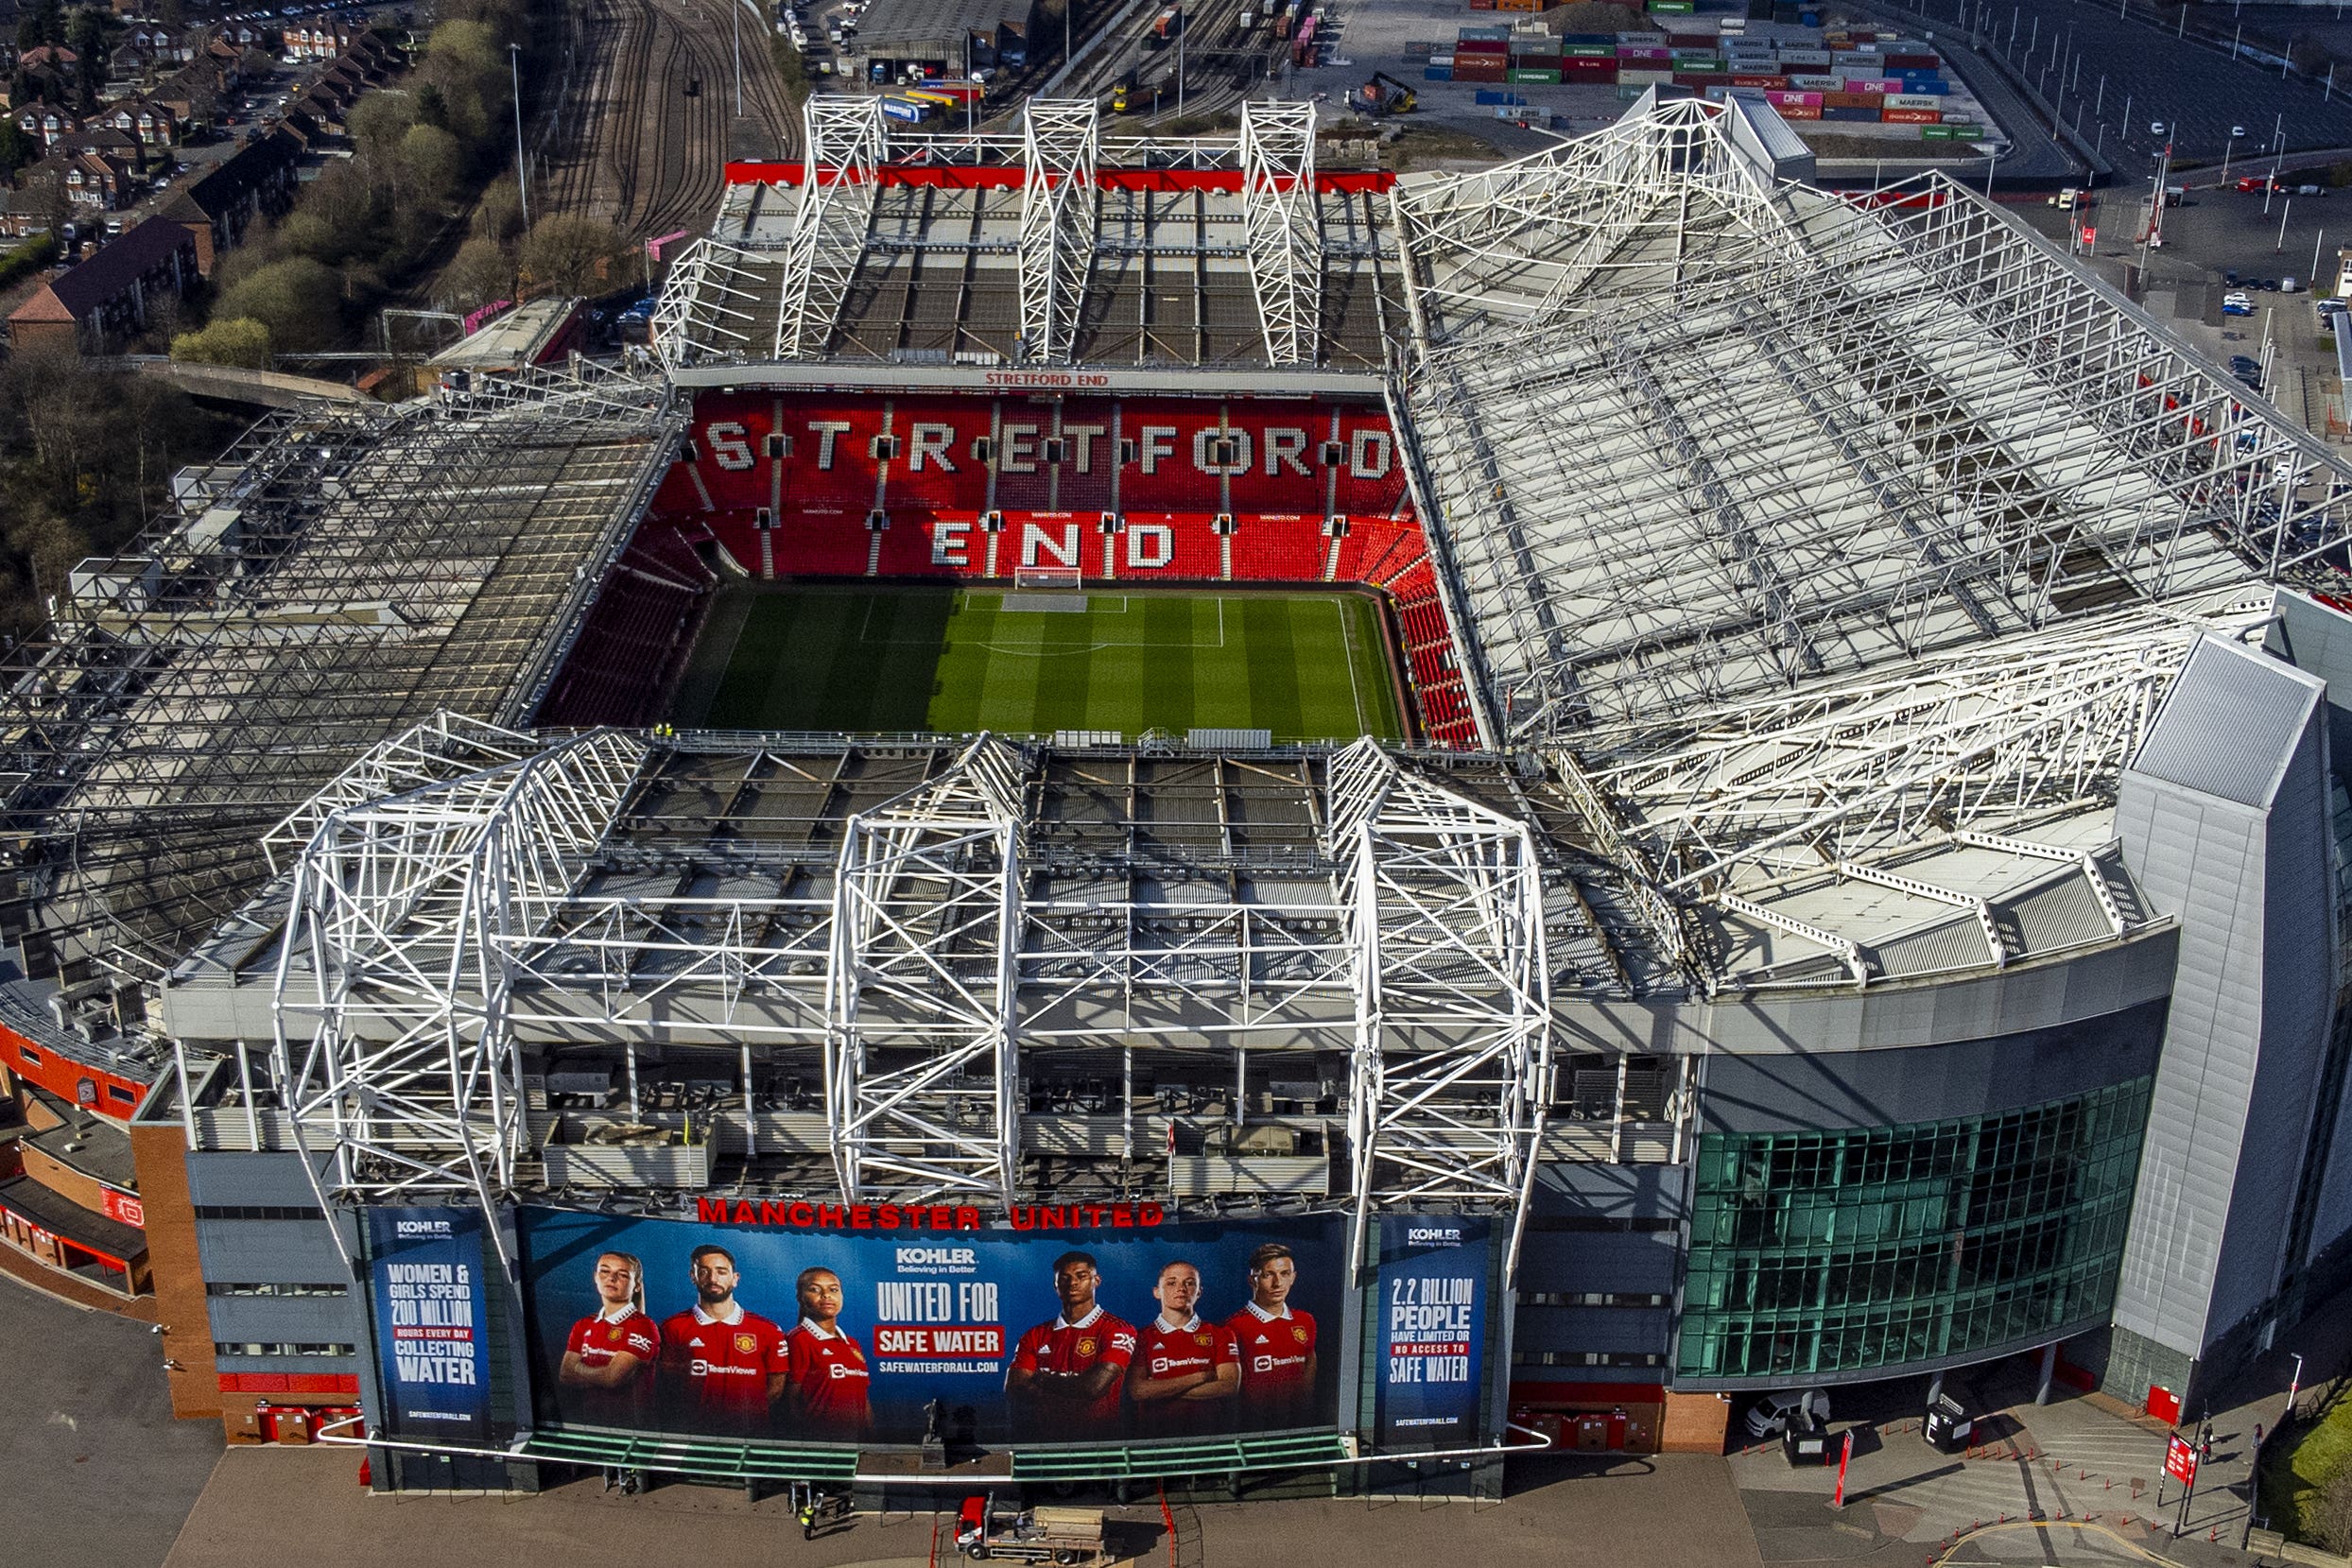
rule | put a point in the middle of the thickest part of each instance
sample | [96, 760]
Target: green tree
[16, 149]
[230, 342]
[87, 38]
[568, 254]
[434, 163]
[296, 299]
[432, 108]
[480, 272]
[378, 121]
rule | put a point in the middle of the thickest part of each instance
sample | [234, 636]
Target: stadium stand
[1124, 488]
[646, 613]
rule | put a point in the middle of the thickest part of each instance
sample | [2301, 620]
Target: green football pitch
[1306, 667]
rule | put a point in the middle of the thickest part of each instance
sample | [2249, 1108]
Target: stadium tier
[1862, 901]
[1124, 491]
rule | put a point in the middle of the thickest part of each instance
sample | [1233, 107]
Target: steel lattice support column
[392, 979]
[1061, 143]
[1284, 227]
[920, 1069]
[1452, 1057]
[838, 187]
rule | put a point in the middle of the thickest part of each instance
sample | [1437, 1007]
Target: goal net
[1065, 578]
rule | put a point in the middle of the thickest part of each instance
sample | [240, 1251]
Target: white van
[1769, 1417]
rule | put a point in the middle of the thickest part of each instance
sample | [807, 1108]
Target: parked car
[1769, 1416]
[2242, 363]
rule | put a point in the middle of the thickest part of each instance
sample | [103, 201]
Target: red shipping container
[1572, 66]
[1778, 85]
[1480, 67]
[1799, 111]
[1911, 116]
[1495, 46]
[1702, 79]
[1844, 100]
[1862, 38]
[1914, 62]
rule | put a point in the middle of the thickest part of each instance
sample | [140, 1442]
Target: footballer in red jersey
[829, 1379]
[608, 1365]
[1187, 1372]
[722, 1368]
[1277, 1342]
[1066, 1374]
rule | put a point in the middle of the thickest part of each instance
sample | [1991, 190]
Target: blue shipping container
[1489, 95]
[1437, 73]
[1867, 115]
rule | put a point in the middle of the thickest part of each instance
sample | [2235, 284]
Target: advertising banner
[807, 1322]
[1432, 1316]
[429, 1321]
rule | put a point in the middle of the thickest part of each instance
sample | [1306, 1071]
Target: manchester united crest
[1199, 1338]
[613, 1334]
[1086, 1346]
[745, 1344]
[1298, 1331]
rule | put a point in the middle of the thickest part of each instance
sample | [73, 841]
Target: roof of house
[226, 185]
[81, 289]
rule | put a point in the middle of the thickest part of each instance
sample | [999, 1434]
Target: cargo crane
[1382, 95]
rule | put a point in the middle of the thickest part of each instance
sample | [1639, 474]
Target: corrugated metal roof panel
[2230, 723]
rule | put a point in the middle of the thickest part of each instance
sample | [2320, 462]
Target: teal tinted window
[1815, 1253]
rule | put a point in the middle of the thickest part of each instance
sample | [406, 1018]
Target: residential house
[110, 297]
[149, 124]
[45, 122]
[321, 38]
[258, 182]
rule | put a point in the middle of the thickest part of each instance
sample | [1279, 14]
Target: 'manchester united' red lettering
[804, 1215]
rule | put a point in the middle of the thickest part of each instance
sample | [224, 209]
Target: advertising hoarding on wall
[425, 1265]
[1434, 1282]
[1092, 1323]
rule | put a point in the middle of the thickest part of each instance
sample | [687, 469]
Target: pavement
[98, 1473]
[271, 1503]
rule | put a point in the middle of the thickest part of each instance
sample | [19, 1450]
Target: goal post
[1066, 579]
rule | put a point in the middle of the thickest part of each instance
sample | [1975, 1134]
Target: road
[98, 1473]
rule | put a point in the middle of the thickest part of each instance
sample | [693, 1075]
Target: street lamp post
[2235, 132]
[521, 171]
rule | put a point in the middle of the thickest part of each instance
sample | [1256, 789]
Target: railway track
[635, 146]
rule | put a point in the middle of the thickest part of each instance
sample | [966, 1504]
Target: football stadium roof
[1820, 560]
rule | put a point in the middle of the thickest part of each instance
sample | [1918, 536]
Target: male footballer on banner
[608, 1365]
[1067, 1373]
[1187, 1372]
[1278, 1344]
[828, 1371]
[722, 1368]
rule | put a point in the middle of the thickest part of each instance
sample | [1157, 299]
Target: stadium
[1589, 788]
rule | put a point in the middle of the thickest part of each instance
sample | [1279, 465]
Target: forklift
[1382, 95]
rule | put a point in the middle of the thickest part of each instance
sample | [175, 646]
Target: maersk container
[1912, 100]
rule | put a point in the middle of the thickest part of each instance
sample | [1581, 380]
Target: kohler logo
[914, 1257]
[1434, 1236]
[420, 1227]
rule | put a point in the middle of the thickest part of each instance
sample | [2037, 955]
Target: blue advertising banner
[1432, 1313]
[807, 1322]
[430, 1319]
